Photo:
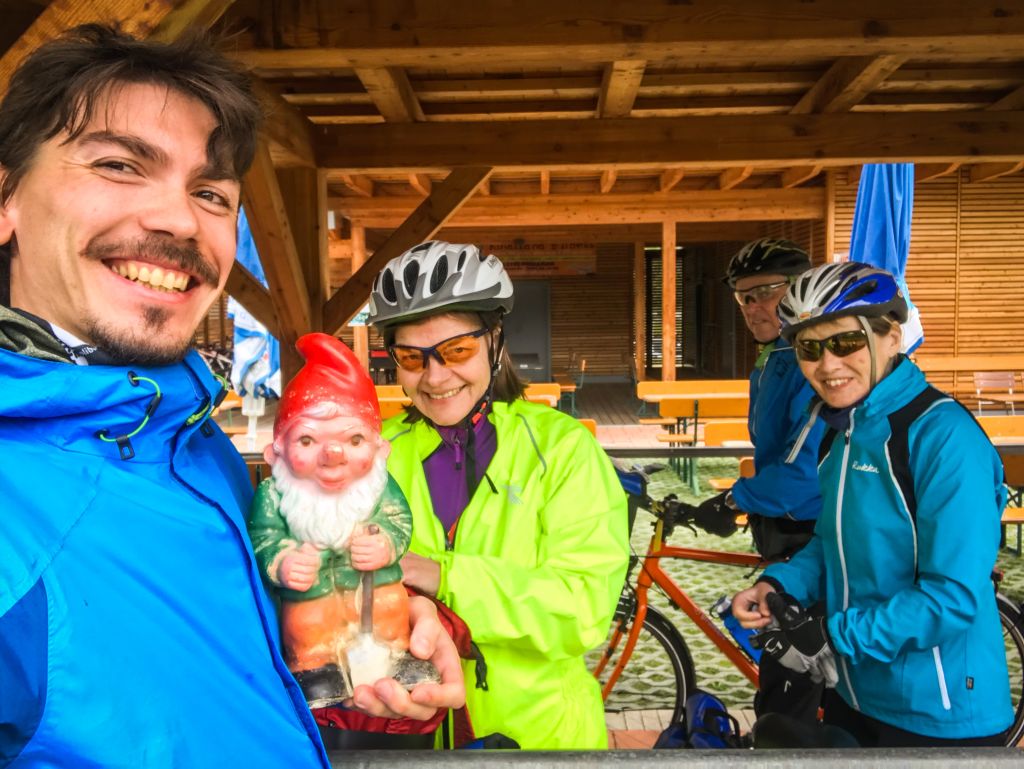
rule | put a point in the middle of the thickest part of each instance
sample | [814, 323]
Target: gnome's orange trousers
[314, 633]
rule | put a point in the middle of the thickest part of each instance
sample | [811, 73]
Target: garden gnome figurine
[330, 524]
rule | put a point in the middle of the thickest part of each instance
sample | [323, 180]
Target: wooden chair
[590, 424]
[1001, 382]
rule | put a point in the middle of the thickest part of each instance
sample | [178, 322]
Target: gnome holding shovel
[329, 528]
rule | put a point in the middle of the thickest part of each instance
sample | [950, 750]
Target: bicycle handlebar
[671, 511]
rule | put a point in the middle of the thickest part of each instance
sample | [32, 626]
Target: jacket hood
[73, 406]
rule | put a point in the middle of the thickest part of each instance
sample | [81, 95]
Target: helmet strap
[871, 350]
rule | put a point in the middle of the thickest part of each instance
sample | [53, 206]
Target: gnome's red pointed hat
[331, 374]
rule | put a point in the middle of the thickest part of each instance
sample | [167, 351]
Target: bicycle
[640, 629]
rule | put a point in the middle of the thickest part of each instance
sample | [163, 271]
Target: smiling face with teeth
[845, 381]
[125, 235]
[444, 394]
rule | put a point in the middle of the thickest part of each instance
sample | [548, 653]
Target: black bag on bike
[777, 539]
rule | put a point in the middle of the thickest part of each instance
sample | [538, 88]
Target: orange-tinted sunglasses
[447, 352]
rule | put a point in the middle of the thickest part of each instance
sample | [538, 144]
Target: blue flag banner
[881, 230]
[256, 371]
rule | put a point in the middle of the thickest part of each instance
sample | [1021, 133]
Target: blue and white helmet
[837, 290]
[436, 277]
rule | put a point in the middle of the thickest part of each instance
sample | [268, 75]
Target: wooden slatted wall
[592, 314]
[966, 265]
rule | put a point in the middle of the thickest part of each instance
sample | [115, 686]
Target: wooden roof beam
[428, 217]
[392, 93]
[420, 183]
[594, 209]
[797, 176]
[1012, 100]
[698, 142]
[619, 87]
[163, 19]
[253, 297]
[670, 179]
[924, 172]
[190, 15]
[731, 177]
[608, 178]
[360, 185]
[846, 83]
[468, 34]
[271, 231]
[985, 171]
[288, 131]
[689, 232]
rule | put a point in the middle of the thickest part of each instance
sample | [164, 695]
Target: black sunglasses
[841, 345]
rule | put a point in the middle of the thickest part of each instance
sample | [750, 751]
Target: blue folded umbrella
[881, 230]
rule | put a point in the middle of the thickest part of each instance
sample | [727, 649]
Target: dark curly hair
[58, 87]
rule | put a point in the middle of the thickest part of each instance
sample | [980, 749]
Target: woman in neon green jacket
[519, 521]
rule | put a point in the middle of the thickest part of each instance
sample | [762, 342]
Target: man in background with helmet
[781, 500]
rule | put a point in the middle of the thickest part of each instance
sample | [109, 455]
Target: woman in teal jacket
[519, 521]
[903, 551]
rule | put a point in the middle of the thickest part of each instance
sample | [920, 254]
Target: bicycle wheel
[658, 676]
[1012, 619]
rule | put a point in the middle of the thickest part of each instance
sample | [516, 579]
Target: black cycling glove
[800, 642]
[715, 516]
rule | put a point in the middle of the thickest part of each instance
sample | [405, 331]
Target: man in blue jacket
[134, 627]
[781, 500]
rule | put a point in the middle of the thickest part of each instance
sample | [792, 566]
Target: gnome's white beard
[324, 518]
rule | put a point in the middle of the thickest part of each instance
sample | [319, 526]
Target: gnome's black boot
[323, 686]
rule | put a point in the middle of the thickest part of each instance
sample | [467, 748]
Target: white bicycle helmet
[436, 276]
[767, 256]
[837, 290]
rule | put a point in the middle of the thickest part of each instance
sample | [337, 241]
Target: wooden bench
[544, 392]
[669, 422]
[723, 434]
[392, 400]
[1012, 516]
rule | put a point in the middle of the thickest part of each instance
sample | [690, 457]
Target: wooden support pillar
[639, 310]
[360, 334]
[668, 301]
[304, 194]
[830, 216]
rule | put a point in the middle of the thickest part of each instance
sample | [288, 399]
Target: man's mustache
[181, 254]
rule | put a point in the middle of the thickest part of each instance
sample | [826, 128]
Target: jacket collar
[88, 408]
[895, 390]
